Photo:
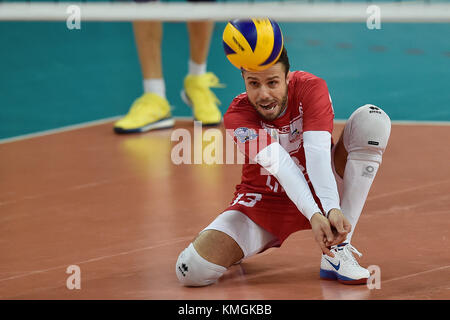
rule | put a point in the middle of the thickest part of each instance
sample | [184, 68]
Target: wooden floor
[117, 207]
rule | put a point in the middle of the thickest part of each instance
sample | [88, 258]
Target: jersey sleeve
[242, 124]
[317, 106]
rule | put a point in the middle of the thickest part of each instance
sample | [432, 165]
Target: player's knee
[367, 132]
[193, 270]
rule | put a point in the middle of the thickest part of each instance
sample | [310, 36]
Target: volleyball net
[289, 11]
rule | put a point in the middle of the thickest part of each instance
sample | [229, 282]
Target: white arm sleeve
[275, 159]
[317, 145]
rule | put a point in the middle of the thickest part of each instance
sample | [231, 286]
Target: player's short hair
[284, 59]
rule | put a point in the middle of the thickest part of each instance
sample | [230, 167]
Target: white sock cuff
[156, 86]
[196, 68]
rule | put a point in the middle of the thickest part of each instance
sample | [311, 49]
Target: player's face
[267, 90]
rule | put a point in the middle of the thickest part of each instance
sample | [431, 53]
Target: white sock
[358, 178]
[196, 69]
[157, 86]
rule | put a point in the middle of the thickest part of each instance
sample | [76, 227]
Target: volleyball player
[295, 178]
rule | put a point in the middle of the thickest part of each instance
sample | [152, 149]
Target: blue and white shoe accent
[343, 267]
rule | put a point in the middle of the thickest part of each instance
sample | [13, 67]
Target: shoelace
[140, 105]
[348, 249]
[209, 80]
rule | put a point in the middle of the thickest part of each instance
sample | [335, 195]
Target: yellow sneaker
[203, 101]
[148, 112]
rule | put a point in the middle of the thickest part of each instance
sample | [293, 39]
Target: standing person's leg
[148, 38]
[200, 33]
[151, 110]
[198, 83]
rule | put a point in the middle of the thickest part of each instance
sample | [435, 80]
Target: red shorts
[275, 213]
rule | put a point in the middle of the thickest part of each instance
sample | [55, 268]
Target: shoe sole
[332, 275]
[188, 101]
[161, 124]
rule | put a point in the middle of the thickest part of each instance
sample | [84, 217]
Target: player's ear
[288, 75]
[242, 73]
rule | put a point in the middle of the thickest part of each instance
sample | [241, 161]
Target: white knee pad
[366, 133]
[193, 270]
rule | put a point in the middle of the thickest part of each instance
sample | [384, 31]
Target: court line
[405, 190]
[26, 274]
[76, 187]
[94, 184]
[420, 123]
[407, 122]
[168, 242]
[415, 274]
[110, 119]
[69, 128]
[59, 130]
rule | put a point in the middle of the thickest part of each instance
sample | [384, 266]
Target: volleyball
[253, 45]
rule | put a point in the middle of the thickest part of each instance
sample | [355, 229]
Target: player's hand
[339, 226]
[321, 228]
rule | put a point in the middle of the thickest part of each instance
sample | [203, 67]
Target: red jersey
[309, 108]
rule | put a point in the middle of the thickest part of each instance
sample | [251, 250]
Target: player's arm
[317, 145]
[318, 125]
[275, 159]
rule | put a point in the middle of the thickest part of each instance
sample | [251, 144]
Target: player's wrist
[333, 210]
[315, 214]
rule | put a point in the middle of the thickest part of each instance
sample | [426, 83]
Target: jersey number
[251, 198]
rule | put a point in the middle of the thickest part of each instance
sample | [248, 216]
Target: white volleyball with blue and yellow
[253, 45]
